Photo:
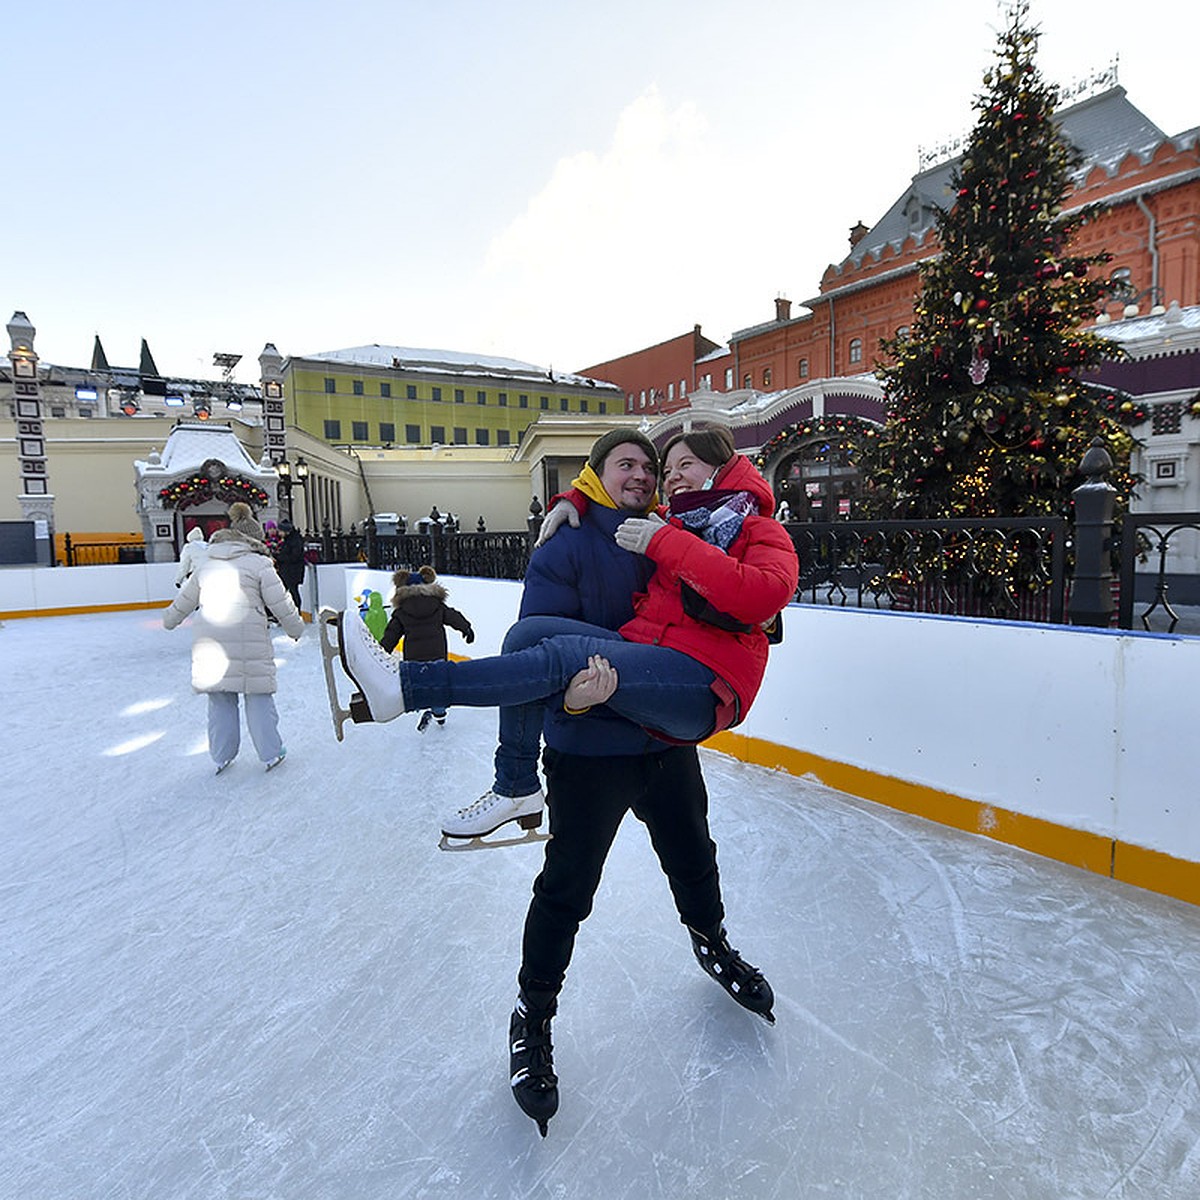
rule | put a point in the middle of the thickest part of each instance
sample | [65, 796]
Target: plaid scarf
[716, 516]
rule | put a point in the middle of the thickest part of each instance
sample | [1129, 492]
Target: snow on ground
[276, 986]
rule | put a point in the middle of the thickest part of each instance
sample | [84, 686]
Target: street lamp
[290, 477]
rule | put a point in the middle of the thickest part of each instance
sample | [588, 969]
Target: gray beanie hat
[241, 520]
[620, 437]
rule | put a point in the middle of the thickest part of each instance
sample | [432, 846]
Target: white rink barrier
[1072, 743]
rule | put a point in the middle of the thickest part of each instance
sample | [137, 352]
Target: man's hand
[564, 510]
[593, 685]
[634, 533]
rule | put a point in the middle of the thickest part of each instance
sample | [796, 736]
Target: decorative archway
[812, 466]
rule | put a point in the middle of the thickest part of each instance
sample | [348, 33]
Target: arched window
[855, 350]
[766, 377]
[804, 368]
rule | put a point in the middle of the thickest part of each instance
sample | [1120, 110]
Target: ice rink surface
[276, 987]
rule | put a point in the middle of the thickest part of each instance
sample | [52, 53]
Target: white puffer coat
[234, 588]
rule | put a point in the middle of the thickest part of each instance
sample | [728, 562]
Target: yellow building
[385, 396]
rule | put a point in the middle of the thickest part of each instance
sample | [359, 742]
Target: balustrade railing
[1013, 569]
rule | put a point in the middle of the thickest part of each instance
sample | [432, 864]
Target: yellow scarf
[588, 482]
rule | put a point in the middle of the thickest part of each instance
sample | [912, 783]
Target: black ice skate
[531, 1056]
[742, 981]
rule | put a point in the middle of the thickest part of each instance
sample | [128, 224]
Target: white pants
[224, 732]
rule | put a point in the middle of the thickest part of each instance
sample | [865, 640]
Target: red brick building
[660, 378]
[1152, 229]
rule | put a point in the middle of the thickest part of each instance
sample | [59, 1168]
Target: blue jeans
[659, 689]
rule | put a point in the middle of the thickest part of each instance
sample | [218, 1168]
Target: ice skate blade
[331, 649]
[481, 842]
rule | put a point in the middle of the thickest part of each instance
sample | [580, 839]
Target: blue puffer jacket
[583, 574]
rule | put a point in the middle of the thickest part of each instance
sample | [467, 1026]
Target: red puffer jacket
[751, 583]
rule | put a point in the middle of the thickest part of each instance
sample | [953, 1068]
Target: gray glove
[564, 510]
[634, 533]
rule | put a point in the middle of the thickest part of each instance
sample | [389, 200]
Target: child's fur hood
[422, 582]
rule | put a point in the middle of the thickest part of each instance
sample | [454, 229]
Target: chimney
[783, 309]
[857, 233]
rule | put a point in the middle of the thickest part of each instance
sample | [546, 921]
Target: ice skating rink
[276, 987]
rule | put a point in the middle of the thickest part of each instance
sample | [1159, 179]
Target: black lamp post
[292, 477]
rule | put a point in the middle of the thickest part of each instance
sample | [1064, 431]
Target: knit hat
[620, 437]
[241, 520]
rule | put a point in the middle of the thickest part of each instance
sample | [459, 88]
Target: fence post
[534, 521]
[1091, 589]
[372, 548]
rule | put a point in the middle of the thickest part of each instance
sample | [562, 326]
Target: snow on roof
[450, 362]
[192, 443]
[1174, 320]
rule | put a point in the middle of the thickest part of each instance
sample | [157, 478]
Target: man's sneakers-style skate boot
[467, 828]
[531, 1055]
[742, 981]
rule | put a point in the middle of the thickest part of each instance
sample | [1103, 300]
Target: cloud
[588, 260]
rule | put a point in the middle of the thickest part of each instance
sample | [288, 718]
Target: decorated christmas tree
[987, 414]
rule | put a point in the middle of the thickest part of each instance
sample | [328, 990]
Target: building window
[583, 406]
[481, 397]
[729, 379]
[333, 431]
[804, 368]
[387, 432]
[330, 386]
[1166, 418]
[58, 410]
[671, 391]
[642, 398]
[706, 382]
[385, 390]
[412, 434]
[481, 437]
[460, 397]
[502, 399]
[359, 431]
[503, 438]
[766, 377]
[357, 387]
[460, 435]
[746, 381]
[682, 388]
[603, 407]
[437, 434]
[522, 401]
[410, 391]
[544, 402]
[437, 393]
[905, 331]
[1121, 283]
[562, 404]
[855, 350]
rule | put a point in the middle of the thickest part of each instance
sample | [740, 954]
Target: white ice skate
[468, 828]
[374, 672]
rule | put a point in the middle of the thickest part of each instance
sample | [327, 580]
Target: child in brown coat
[420, 615]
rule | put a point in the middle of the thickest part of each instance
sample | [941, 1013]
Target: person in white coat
[194, 552]
[232, 654]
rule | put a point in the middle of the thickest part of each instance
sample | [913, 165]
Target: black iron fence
[1147, 537]
[1018, 569]
[1013, 569]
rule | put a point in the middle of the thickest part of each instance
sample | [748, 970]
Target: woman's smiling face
[684, 472]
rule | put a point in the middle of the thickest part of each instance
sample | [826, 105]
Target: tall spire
[146, 365]
[99, 358]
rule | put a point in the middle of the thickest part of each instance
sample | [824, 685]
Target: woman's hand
[564, 510]
[593, 685]
[634, 533]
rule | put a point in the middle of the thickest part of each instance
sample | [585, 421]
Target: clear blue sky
[544, 179]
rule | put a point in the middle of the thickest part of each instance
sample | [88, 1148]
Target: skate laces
[478, 807]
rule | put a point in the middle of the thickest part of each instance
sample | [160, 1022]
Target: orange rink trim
[1148, 869]
[130, 606]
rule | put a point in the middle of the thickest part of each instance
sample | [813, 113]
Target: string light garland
[185, 493]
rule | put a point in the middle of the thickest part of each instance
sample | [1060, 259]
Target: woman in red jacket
[691, 660]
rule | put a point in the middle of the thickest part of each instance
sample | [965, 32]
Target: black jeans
[587, 798]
